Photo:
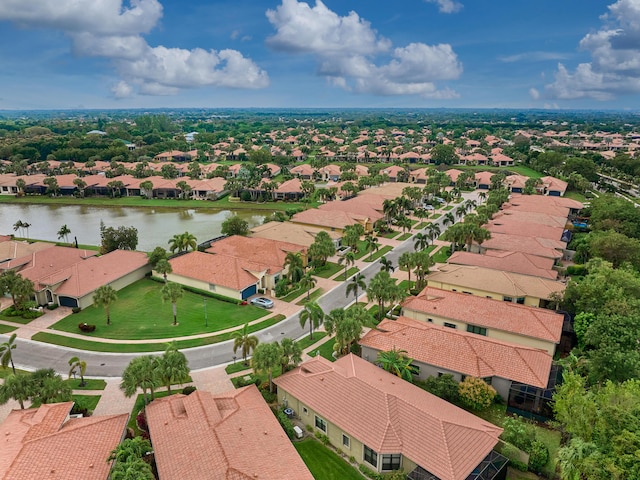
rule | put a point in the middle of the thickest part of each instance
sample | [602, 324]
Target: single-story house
[334, 221]
[516, 262]
[554, 187]
[45, 442]
[483, 180]
[504, 321]
[541, 247]
[294, 233]
[389, 424]
[304, 171]
[437, 350]
[233, 434]
[289, 190]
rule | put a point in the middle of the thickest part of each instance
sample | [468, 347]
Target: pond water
[155, 225]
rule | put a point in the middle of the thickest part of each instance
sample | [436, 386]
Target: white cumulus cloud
[447, 6]
[348, 52]
[614, 68]
[114, 29]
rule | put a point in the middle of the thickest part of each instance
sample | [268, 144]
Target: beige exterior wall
[335, 433]
[329, 229]
[528, 301]
[491, 332]
[192, 282]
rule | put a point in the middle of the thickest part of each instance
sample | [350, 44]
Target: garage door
[247, 292]
[68, 301]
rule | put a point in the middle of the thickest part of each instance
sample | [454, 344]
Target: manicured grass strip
[326, 350]
[323, 463]
[6, 328]
[328, 270]
[5, 372]
[291, 296]
[391, 234]
[91, 384]
[89, 402]
[140, 314]
[316, 294]
[442, 255]
[448, 207]
[239, 366]
[421, 225]
[362, 249]
[383, 251]
[436, 216]
[92, 346]
[577, 196]
[526, 171]
[404, 236]
[350, 272]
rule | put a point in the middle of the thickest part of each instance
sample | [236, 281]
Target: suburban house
[483, 180]
[437, 350]
[13, 249]
[235, 266]
[233, 434]
[554, 187]
[293, 233]
[330, 173]
[363, 206]
[496, 284]
[504, 321]
[304, 171]
[334, 221]
[395, 173]
[516, 262]
[389, 424]
[505, 225]
[45, 442]
[541, 247]
[289, 190]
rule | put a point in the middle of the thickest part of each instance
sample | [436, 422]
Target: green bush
[443, 386]
[76, 310]
[513, 453]
[51, 306]
[518, 433]
[268, 396]
[538, 456]
[285, 422]
[476, 394]
[367, 472]
[31, 314]
[188, 390]
[577, 270]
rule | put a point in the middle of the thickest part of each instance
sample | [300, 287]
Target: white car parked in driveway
[262, 302]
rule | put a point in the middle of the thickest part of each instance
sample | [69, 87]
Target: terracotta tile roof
[545, 200]
[290, 186]
[291, 232]
[553, 183]
[516, 206]
[504, 283]
[12, 249]
[42, 443]
[486, 312]
[453, 174]
[532, 217]
[263, 251]
[324, 218]
[356, 206]
[220, 270]
[484, 178]
[516, 262]
[462, 352]
[233, 434]
[303, 169]
[390, 415]
[86, 276]
[510, 226]
[542, 247]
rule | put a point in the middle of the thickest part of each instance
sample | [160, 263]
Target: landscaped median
[97, 346]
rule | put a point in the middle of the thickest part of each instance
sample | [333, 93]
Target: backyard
[325, 464]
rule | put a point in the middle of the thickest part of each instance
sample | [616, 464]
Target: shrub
[188, 390]
[322, 437]
[352, 459]
[579, 270]
[512, 453]
[52, 306]
[282, 288]
[11, 312]
[285, 422]
[367, 472]
[538, 456]
[309, 428]
[476, 394]
[518, 432]
[444, 387]
[30, 314]
[79, 406]
[85, 327]
[268, 396]
[76, 310]
[141, 421]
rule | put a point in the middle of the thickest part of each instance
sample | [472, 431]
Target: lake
[155, 225]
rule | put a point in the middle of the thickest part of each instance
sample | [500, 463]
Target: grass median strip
[6, 328]
[383, 251]
[90, 384]
[97, 346]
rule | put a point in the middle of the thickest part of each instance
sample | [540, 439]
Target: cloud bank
[346, 49]
[114, 30]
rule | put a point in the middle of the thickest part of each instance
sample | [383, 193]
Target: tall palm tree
[372, 245]
[267, 357]
[348, 258]
[386, 265]
[383, 289]
[244, 341]
[17, 387]
[64, 233]
[448, 219]
[164, 268]
[294, 261]
[291, 354]
[356, 285]
[433, 231]
[461, 210]
[172, 367]
[420, 241]
[307, 282]
[140, 373]
[6, 352]
[80, 366]
[396, 362]
[104, 296]
[407, 261]
[313, 314]
[172, 292]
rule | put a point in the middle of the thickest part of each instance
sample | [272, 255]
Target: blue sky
[337, 53]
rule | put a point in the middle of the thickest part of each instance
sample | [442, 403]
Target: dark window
[321, 424]
[520, 300]
[370, 457]
[477, 330]
[305, 411]
[346, 441]
[507, 299]
[449, 325]
[391, 461]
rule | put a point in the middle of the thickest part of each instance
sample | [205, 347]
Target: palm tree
[421, 241]
[356, 284]
[17, 387]
[312, 313]
[448, 219]
[81, 184]
[19, 225]
[80, 366]
[396, 362]
[372, 245]
[172, 292]
[291, 354]
[104, 296]
[21, 184]
[307, 282]
[383, 289]
[294, 261]
[6, 352]
[172, 367]
[64, 233]
[348, 258]
[407, 261]
[163, 267]
[140, 373]
[266, 357]
[461, 210]
[243, 340]
[386, 265]
[433, 231]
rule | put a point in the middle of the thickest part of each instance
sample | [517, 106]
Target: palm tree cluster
[182, 242]
[39, 387]
[419, 262]
[21, 290]
[347, 325]
[149, 372]
[23, 227]
[129, 460]
[383, 290]
[397, 362]
[267, 357]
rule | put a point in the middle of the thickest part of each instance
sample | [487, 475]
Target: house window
[468, 293]
[450, 325]
[370, 457]
[212, 287]
[507, 299]
[487, 380]
[391, 461]
[477, 330]
[520, 300]
[415, 369]
[430, 320]
[346, 441]
[305, 411]
[321, 424]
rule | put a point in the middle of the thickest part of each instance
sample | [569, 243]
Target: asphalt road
[31, 355]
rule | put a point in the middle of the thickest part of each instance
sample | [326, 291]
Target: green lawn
[292, 295]
[5, 372]
[328, 270]
[315, 295]
[323, 463]
[436, 216]
[404, 284]
[91, 384]
[526, 171]
[96, 346]
[87, 401]
[421, 225]
[6, 328]
[576, 196]
[140, 314]
[14, 319]
[442, 255]
[380, 253]
[391, 234]
[326, 350]
[362, 249]
[448, 207]
[351, 271]
[404, 236]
